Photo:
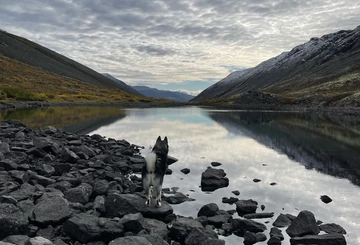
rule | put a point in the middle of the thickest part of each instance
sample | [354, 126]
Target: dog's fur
[154, 171]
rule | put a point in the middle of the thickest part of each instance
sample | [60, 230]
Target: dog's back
[154, 170]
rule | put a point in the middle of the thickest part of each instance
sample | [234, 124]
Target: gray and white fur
[154, 171]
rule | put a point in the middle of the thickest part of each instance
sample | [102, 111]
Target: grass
[22, 82]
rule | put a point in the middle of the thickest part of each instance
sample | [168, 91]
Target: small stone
[185, 170]
[326, 199]
[236, 192]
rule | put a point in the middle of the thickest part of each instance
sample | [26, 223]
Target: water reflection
[329, 146]
[77, 119]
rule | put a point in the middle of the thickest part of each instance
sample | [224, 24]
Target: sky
[184, 45]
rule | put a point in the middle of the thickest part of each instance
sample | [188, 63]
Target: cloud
[161, 42]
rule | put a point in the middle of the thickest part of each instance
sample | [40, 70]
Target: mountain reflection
[331, 146]
[76, 119]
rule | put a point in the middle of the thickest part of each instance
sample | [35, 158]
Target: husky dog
[153, 172]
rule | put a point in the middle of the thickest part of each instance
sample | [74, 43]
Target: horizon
[176, 46]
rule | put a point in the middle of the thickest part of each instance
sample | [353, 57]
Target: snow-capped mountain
[319, 65]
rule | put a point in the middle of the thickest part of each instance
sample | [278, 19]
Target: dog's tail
[150, 162]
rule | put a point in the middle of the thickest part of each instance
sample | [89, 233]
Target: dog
[154, 171]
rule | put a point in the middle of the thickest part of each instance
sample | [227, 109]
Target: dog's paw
[158, 204]
[147, 203]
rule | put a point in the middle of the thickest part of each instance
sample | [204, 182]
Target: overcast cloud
[171, 43]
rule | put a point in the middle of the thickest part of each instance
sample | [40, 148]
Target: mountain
[30, 53]
[325, 71]
[121, 83]
[163, 94]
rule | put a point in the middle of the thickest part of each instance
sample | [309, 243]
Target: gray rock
[51, 210]
[69, 156]
[86, 228]
[154, 239]
[213, 179]
[230, 200]
[208, 210]
[181, 227]
[177, 198]
[80, 194]
[326, 199]
[219, 219]
[118, 205]
[26, 191]
[16, 239]
[276, 232]
[303, 224]
[283, 220]
[241, 225]
[8, 164]
[236, 192]
[156, 227]
[326, 239]
[130, 240]
[258, 215]
[133, 222]
[99, 204]
[199, 236]
[12, 220]
[332, 228]
[38, 241]
[4, 147]
[101, 187]
[185, 170]
[246, 206]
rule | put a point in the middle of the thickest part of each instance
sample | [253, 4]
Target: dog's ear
[166, 140]
[158, 139]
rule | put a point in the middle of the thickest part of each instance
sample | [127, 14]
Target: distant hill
[163, 94]
[323, 72]
[30, 53]
[120, 82]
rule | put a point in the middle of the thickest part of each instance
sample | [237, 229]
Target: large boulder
[52, 209]
[12, 220]
[118, 205]
[303, 224]
[213, 179]
[86, 228]
[208, 210]
[239, 226]
[246, 206]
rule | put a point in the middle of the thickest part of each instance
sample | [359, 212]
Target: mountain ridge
[322, 64]
[163, 94]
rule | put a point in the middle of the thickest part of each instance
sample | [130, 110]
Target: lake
[306, 155]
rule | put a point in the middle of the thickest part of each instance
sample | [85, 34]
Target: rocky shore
[61, 188]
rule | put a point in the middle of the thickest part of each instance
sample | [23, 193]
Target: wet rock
[80, 194]
[51, 210]
[303, 224]
[252, 238]
[326, 199]
[208, 210]
[326, 239]
[246, 206]
[181, 227]
[239, 226]
[258, 215]
[133, 222]
[219, 219]
[12, 220]
[332, 228]
[283, 220]
[213, 179]
[86, 228]
[215, 164]
[185, 170]
[256, 180]
[276, 233]
[177, 198]
[236, 192]
[230, 200]
[130, 240]
[118, 205]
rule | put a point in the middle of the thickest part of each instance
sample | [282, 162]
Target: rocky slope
[33, 54]
[324, 70]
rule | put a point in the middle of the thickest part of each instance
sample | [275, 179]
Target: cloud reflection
[196, 141]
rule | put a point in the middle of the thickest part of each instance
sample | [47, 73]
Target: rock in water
[303, 224]
[213, 179]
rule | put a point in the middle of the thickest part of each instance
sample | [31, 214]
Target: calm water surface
[306, 155]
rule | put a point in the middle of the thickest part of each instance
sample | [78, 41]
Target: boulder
[101, 186]
[133, 222]
[38, 241]
[219, 219]
[252, 238]
[246, 206]
[213, 179]
[80, 194]
[130, 240]
[239, 226]
[51, 210]
[118, 205]
[156, 227]
[208, 210]
[283, 220]
[332, 228]
[303, 224]
[181, 227]
[199, 236]
[86, 228]
[326, 239]
[12, 220]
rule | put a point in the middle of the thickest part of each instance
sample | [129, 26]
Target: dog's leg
[157, 192]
